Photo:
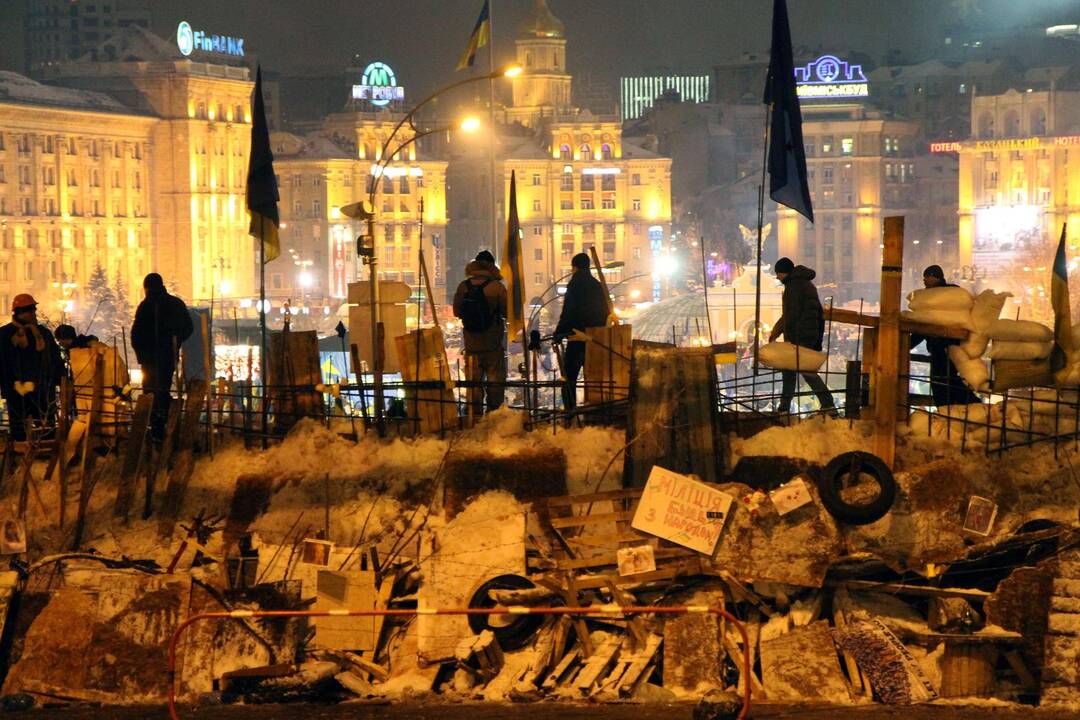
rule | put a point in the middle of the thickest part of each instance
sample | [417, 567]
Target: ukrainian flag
[1059, 298]
[481, 34]
[512, 266]
[262, 189]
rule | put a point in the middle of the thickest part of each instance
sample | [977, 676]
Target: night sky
[422, 39]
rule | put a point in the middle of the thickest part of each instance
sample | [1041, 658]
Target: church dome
[541, 23]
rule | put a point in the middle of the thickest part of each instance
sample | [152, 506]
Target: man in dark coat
[30, 367]
[584, 306]
[480, 303]
[802, 323]
[162, 324]
[946, 385]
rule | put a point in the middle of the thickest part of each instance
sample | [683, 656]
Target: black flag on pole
[787, 155]
[262, 189]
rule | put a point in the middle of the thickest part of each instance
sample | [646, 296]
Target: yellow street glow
[512, 71]
[470, 124]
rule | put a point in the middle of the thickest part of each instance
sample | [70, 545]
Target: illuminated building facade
[75, 192]
[321, 173]
[1019, 183]
[199, 144]
[861, 168]
[579, 183]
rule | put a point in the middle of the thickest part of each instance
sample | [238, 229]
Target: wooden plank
[612, 559]
[172, 424]
[89, 458]
[581, 520]
[293, 371]
[917, 590]
[184, 460]
[598, 664]
[853, 317]
[607, 363]
[560, 670]
[858, 684]
[570, 500]
[887, 362]
[135, 452]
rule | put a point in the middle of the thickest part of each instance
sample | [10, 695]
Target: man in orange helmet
[30, 367]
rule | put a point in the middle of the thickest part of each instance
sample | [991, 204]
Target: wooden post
[612, 319]
[887, 362]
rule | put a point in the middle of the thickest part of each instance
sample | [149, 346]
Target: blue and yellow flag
[262, 189]
[1059, 298]
[512, 266]
[481, 34]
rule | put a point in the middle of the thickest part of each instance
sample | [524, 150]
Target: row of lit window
[828, 145]
[48, 177]
[49, 207]
[49, 144]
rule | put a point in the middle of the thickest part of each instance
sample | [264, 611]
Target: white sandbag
[1044, 401]
[1015, 350]
[986, 309]
[1020, 331]
[974, 372]
[948, 318]
[1069, 376]
[788, 356]
[940, 298]
[975, 345]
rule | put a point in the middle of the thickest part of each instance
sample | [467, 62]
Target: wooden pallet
[134, 456]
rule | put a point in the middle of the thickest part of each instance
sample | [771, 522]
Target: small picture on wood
[636, 560]
[13, 541]
[981, 513]
[316, 552]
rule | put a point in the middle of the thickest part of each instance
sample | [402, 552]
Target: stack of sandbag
[1019, 340]
[973, 371]
[950, 306]
[984, 311]
[788, 356]
[1046, 410]
[977, 423]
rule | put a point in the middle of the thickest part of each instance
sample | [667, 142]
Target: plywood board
[422, 357]
[352, 590]
[465, 554]
[292, 373]
[607, 363]
[802, 666]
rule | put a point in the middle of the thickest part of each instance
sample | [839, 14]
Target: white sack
[987, 309]
[974, 372]
[940, 298]
[975, 345]
[948, 318]
[1020, 330]
[1044, 401]
[788, 356]
[1014, 350]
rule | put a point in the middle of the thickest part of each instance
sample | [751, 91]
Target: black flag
[262, 189]
[787, 156]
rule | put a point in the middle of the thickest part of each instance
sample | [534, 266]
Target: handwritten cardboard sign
[684, 511]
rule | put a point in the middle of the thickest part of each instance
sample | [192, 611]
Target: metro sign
[830, 77]
[378, 85]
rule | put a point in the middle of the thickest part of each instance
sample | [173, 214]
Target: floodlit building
[1020, 182]
[199, 143]
[76, 192]
[861, 167]
[580, 183]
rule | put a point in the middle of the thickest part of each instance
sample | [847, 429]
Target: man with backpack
[480, 303]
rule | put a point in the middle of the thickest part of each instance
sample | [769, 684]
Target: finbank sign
[830, 77]
[189, 40]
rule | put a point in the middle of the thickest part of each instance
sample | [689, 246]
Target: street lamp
[358, 211]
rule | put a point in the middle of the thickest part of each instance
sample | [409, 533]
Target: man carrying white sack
[946, 384]
[802, 324]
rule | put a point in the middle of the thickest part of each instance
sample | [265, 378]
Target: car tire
[520, 630]
[832, 484]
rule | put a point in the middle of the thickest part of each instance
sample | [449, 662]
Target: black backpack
[476, 313]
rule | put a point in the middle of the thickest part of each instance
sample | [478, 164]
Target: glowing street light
[470, 124]
[306, 280]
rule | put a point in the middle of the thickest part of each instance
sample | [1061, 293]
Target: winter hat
[485, 256]
[65, 332]
[581, 261]
[153, 281]
[934, 271]
[784, 265]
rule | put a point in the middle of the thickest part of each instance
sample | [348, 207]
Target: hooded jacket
[494, 338]
[584, 305]
[803, 321]
[162, 324]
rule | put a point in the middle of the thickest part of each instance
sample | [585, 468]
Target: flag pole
[760, 222]
[495, 192]
[262, 327]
